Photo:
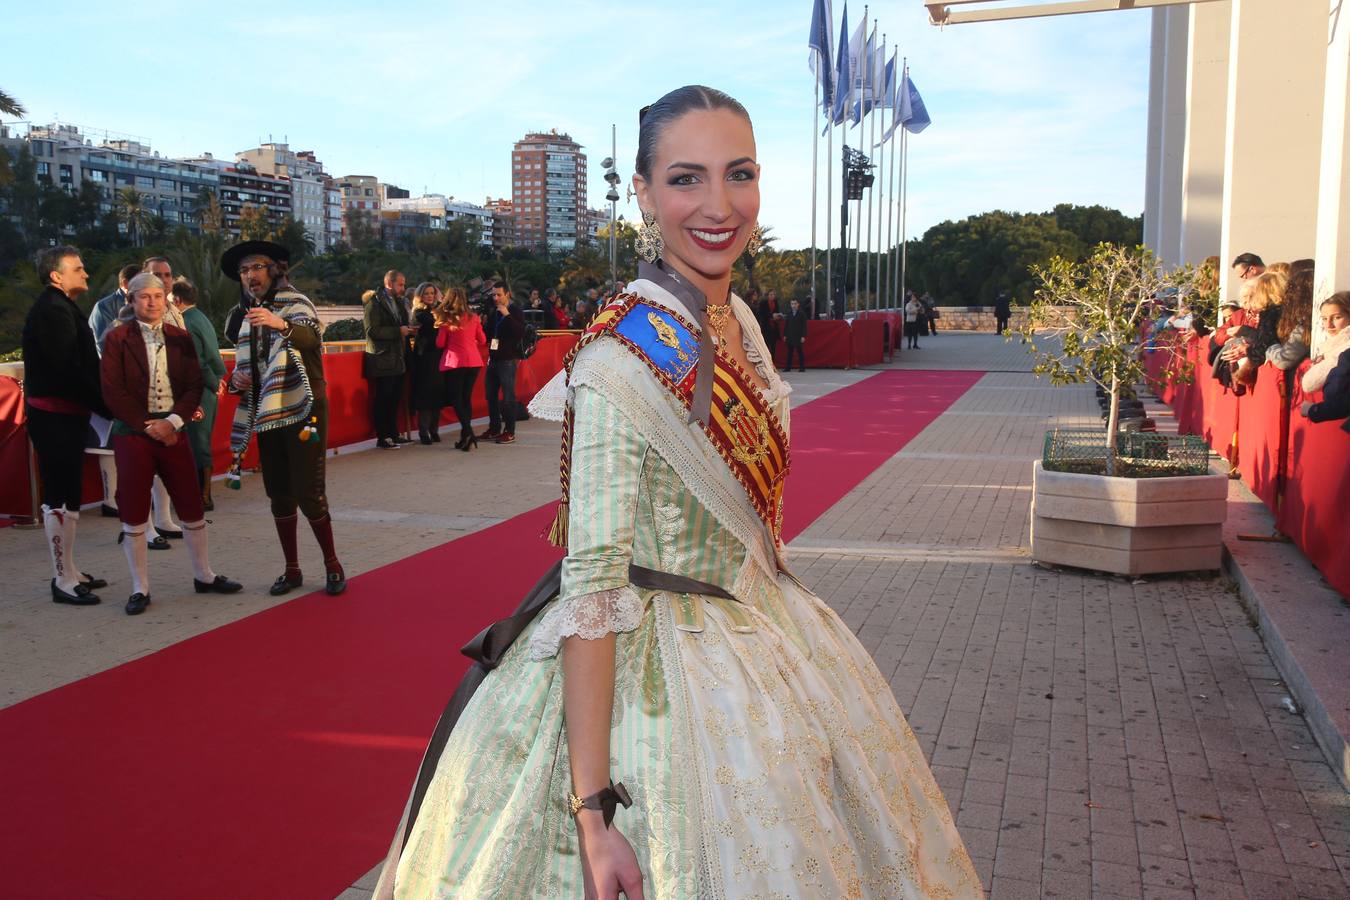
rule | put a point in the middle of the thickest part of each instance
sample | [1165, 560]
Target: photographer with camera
[505, 329]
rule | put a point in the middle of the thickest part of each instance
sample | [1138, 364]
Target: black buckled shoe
[335, 583]
[220, 585]
[91, 582]
[137, 603]
[284, 584]
[168, 533]
[81, 596]
[108, 512]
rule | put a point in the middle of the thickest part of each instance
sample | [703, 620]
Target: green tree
[749, 261]
[1096, 309]
[9, 106]
[210, 217]
[253, 223]
[134, 214]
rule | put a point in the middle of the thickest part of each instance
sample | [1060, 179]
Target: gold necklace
[718, 317]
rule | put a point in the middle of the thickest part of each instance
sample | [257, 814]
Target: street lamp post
[612, 178]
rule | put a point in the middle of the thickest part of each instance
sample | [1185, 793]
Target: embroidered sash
[743, 428]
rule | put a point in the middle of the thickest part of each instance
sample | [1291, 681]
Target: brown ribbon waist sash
[489, 647]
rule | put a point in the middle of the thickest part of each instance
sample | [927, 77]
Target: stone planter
[1130, 526]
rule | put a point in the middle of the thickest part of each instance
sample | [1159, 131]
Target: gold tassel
[557, 535]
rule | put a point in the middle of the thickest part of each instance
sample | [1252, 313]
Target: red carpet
[271, 757]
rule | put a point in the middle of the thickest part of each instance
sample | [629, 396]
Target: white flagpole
[857, 216]
[890, 220]
[870, 97]
[904, 205]
[829, 214]
[815, 187]
[881, 168]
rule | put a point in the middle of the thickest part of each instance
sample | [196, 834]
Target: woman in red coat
[464, 347]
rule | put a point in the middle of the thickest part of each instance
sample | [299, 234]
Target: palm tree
[10, 107]
[134, 213]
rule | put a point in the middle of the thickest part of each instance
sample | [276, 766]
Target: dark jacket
[1002, 306]
[60, 359]
[384, 342]
[796, 326]
[1335, 395]
[507, 330]
[126, 374]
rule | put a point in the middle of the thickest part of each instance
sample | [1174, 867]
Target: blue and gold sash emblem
[663, 339]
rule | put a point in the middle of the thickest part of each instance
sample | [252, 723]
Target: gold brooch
[665, 333]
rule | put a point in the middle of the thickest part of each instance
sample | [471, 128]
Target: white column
[1206, 106]
[1173, 144]
[1333, 208]
[1153, 165]
[1277, 59]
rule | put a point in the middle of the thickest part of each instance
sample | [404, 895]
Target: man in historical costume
[385, 318]
[61, 389]
[152, 383]
[213, 376]
[103, 319]
[164, 527]
[279, 373]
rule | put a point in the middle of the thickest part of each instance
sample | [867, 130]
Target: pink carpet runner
[272, 757]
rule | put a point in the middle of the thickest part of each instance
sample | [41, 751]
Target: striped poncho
[285, 397]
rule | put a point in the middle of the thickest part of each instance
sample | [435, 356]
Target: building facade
[548, 191]
[361, 195]
[308, 182]
[168, 188]
[503, 223]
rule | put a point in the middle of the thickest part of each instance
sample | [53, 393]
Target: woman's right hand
[608, 863]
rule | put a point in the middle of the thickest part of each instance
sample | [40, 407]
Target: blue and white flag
[893, 82]
[843, 80]
[914, 112]
[821, 58]
[864, 66]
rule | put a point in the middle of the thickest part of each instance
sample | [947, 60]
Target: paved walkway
[1097, 737]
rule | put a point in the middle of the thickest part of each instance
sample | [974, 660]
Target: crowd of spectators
[1270, 325]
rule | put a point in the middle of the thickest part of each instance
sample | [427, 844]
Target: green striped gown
[764, 752]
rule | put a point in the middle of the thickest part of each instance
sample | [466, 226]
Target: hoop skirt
[764, 752]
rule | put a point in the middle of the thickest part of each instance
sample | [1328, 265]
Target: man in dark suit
[61, 389]
[1002, 311]
[504, 328]
[152, 383]
[796, 336]
[387, 330]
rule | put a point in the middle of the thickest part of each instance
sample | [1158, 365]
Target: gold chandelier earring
[756, 242]
[649, 244]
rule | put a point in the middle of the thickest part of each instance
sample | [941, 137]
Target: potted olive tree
[1120, 501]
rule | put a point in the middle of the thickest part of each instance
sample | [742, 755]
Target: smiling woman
[672, 713]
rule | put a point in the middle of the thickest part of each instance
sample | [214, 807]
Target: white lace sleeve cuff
[589, 616]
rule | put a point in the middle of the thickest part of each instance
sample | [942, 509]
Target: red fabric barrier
[1317, 493]
[14, 496]
[1259, 426]
[1297, 468]
[829, 345]
[868, 342]
[348, 406]
[895, 325]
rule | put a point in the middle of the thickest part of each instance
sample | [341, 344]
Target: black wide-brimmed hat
[231, 258]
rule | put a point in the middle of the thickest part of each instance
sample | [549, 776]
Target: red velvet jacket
[126, 374]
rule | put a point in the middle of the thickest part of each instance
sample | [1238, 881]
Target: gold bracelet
[605, 801]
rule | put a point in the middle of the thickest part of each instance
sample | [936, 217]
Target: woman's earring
[648, 243]
[756, 242]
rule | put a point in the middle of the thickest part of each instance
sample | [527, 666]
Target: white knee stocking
[194, 535]
[134, 545]
[159, 499]
[60, 530]
[107, 467]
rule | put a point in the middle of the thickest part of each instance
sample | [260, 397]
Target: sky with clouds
[431, 95]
